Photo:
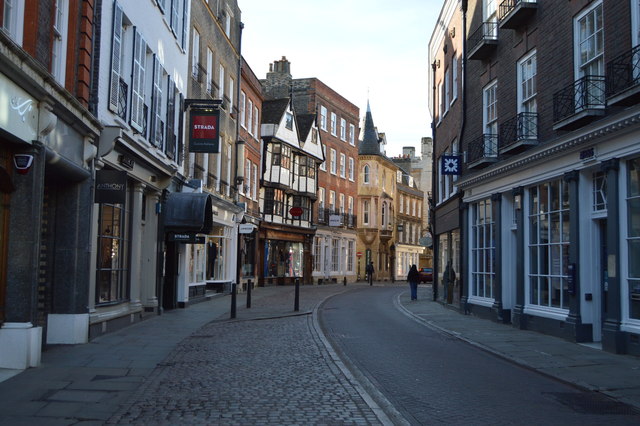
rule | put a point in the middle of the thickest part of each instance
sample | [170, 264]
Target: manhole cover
[593, 403]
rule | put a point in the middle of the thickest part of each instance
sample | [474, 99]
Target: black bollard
[296, 302]
[233, 300]
[249, 285]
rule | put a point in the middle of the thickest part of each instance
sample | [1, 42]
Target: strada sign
[204, 135]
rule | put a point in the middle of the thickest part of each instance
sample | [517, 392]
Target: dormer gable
[279, 122]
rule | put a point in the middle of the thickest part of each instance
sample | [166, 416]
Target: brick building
[335, 210]
[48, 140]
[550, 180]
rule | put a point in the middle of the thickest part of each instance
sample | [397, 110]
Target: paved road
[431, 378]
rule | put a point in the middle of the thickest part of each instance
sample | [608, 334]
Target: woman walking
[413, 277]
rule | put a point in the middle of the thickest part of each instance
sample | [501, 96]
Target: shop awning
[188, 212]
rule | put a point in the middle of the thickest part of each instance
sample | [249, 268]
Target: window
[333, 162]
[157, 113]
[351, 168]
[490, 116]
[401, 203]
[454, 79]
[323, 165]
[227, 23]
[288, 120]
[350, 205]
[383, 216]
[12, 19]
[343, 129]
[549, 245]
[195, 55]
[115, 93]
[254, 187]
[112, 262]
[599, 192]
[352, 135]
[176, 7]
[172, 123]
[247, 178]
[332, 201]
[243, 112]
[231, 85]
[281, 155]
[323, 118]
[350, 253]
[589, 55]
[482, 250]
[59, 48]
[138, 83]
[491, 15]
[221, 81]
[335, 254]
[250, 117]
[527, 104]
[256, 119]
[274, 201]
[365, 212]
[321, 198]
[209, 75]
[365, 173]
[633, 237]
[341, 203]
[447, 89]
[334, 119]
[441, 101]
[317, 253]
[342, 165]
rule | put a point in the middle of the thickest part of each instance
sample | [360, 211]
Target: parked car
[426, 275]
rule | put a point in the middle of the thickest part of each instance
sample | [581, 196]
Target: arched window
[365, 173]
[365, 212]
[384, 215]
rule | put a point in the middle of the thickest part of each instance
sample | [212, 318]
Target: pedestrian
[448, 280]
[370, 272]
[413, 277]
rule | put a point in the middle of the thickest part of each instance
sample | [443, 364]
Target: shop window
[549, 245]
[599, 192]
[283, 259]
[112, 263]
[483, 250]
[633, 237]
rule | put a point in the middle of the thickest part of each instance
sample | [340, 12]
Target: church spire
[369, 144]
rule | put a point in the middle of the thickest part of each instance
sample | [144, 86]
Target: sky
[374, 50]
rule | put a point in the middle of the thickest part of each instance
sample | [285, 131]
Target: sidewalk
[617, 376]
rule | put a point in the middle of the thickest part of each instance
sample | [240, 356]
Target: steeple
[369, 144]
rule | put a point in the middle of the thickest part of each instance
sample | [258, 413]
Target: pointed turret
[369, 144]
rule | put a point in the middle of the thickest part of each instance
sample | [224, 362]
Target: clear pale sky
[360, 48]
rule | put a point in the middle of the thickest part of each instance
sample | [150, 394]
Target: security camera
[23, 163]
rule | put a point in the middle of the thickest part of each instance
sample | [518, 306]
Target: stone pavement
[585, 366]
[270, 365]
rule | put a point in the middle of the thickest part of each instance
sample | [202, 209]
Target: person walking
[413, 277]
[370, 272]
[448, 281]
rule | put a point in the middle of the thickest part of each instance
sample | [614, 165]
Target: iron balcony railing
[487, 31]
[522, 127]
[623, 72]
[486, 146]
[586, 93]
[507, 6]
[323, 217]
[123, 90]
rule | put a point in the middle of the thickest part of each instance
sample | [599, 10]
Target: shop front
[285, 256]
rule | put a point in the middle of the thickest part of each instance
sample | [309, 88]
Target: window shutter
[116, 49]
[137, 81]
[170, 147]
[156, 104]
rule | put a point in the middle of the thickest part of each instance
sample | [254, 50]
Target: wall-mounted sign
[296, 211]
[246, 228]
[335, 220]
[19, 111]
[111, 187]
[204, 135]
[187, 237]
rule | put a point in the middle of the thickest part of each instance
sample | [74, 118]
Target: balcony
[483, 151]
[484, 41]
[518, 133]
[514, 14]
[579, 103]
[623, 78]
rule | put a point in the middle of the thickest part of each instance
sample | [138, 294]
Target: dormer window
[288, 123]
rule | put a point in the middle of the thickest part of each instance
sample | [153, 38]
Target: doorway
[603, 276]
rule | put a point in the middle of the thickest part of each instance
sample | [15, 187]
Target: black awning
[188, 212]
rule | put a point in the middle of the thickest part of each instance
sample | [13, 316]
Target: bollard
[233, 300]
[345, 280]
[249, 285]
[296, 302]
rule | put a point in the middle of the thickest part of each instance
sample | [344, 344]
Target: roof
[369, 144]
[273, 110]
[305, 122]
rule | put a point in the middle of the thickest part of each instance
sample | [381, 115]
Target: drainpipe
[434, 176]
[239, 174]
[463, 94]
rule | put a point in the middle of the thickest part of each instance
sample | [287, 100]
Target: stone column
[135, 233]
[613, 339]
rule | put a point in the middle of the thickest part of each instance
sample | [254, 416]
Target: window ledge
[481, 301]
[552, 313]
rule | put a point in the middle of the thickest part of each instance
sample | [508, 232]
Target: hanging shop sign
[296, 211]
[204, 135]
[111, 187]
[246, 228]
[451, 165]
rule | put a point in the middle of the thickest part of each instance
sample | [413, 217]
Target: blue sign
[451, 165]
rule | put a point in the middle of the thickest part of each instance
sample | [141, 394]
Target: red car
[426, 275]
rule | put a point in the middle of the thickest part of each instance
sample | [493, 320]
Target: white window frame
[490, 117]
[332, 201]
[254, 187]
[256, 119]
[352, 135]
[13, 23]
[195, 54]
[341, 202]
[221, 81]
[243, 112]
[351, 169]
[454, 78]
[343, 129]
[231, 85]
[447, 90]
[60, 34]
[250, 117]
[366, 212]
[599, 57]
[366, 174]
[343, 160]
[323, 118]
[321, 203]
[334, 124]
[323, 165]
